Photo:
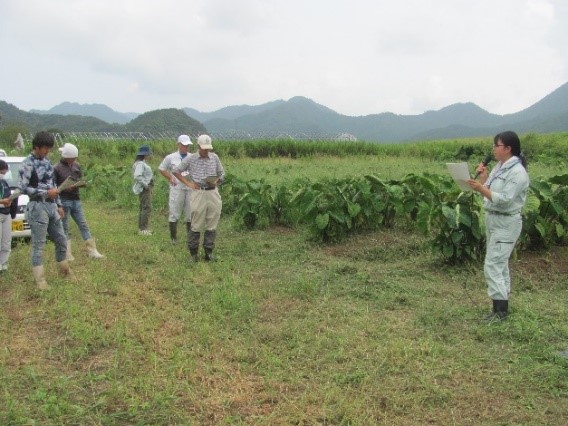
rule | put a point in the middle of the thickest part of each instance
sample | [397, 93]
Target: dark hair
[3, 165]
[511, 139]
[43, 139]
[140, 157]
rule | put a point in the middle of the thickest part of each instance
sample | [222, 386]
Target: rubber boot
[39, 277]
[209, 244]
[193, 244]
[69, 255]
[173, 232]
[193, 255]
[65, 270]
[502, 309]
[499, 313]
[92, 249]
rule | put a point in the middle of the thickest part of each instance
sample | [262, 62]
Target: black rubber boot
[209, 244]
[173, 232]
[193, 255]
[193, 244]
[502, 309]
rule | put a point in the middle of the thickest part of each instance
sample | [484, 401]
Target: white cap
[69, 151]
[184, 140]
[204, 142]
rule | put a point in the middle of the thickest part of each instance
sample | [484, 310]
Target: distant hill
[300, 117]
[70, 123]
[232, 112]
[102, 112]
[165, 120]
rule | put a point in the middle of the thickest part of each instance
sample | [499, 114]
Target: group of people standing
[193, 179]
[50, 206]
[54, 197]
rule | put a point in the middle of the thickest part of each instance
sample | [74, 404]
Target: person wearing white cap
[202, 172]
[68, 167]
[180, 195]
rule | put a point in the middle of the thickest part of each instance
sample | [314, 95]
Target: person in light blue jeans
[69, 168]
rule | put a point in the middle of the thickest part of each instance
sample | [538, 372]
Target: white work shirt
[169, 163]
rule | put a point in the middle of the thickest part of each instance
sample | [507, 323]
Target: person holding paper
[44, 211]
[202, 172]
[143, 187]
[68, 169]
[505, 193]
[6, 216]
[180, 195]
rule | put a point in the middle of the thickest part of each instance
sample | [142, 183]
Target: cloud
[358, 58]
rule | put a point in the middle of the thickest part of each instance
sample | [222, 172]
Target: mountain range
[300, 117]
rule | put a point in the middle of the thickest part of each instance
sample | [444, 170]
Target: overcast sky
[357, 57]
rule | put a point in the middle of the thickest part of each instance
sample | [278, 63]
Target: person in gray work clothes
[202, 172]
[504, 193]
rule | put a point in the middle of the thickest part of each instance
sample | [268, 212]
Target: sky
[357, 57]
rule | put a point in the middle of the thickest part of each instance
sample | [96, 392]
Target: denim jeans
[74, 209]
[44, 219]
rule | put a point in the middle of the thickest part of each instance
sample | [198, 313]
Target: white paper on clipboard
[460, 174]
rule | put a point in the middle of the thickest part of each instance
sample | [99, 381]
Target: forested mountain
[102, 112]
[10, 115]
[164, 120]
[300, 117]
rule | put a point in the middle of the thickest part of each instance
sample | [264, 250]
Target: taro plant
[388, 199]
[455, 221]
[329, 208]
[545, 217]
[257, 205]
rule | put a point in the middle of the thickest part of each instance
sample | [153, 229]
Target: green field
[280, 330]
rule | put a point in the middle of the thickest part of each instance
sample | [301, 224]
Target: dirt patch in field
[553, 261]
[381, 246]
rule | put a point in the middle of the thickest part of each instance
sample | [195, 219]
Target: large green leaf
[322, 220]
[532, 204]
[559, 179]
[448, 250]
[353, 209]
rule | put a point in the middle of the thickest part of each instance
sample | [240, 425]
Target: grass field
[279, 331]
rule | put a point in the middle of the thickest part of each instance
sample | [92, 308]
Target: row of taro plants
[433, 204]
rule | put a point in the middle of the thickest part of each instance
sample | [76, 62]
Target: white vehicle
[20, 226]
